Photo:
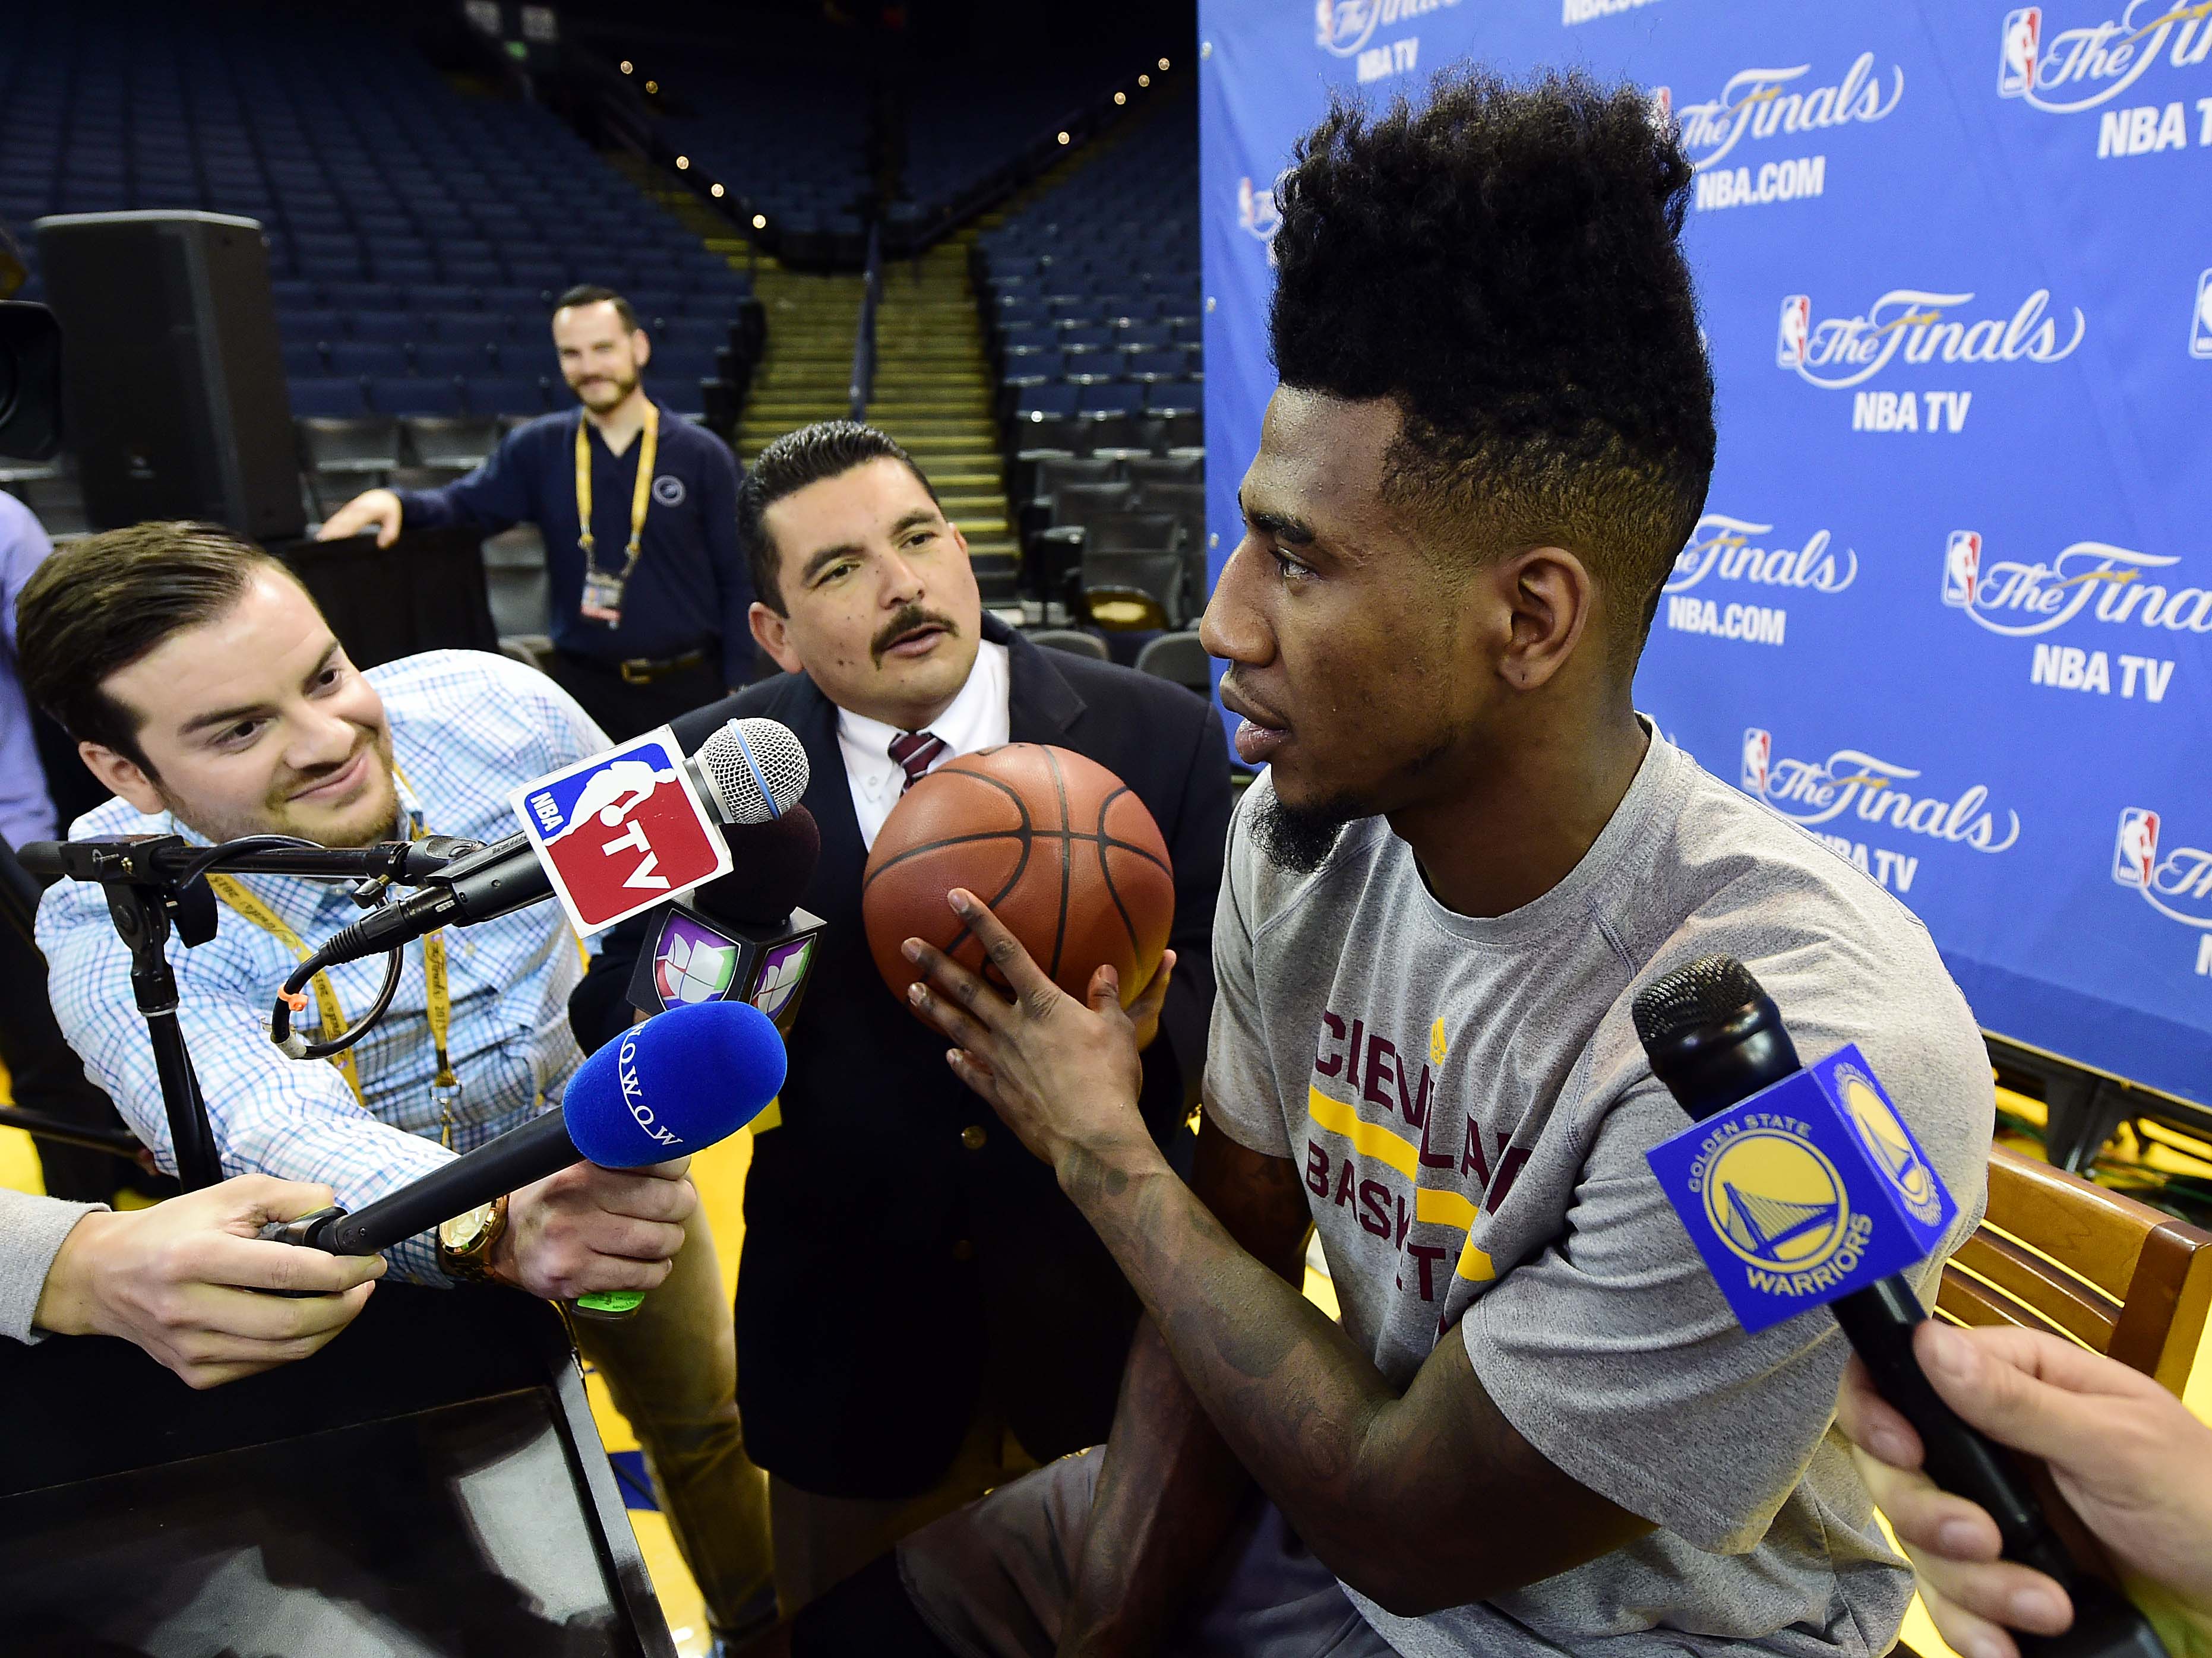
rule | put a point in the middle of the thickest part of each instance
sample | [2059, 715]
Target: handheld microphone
[665, 1088]
[1801, 1188]
[741, 936]
[750, 771]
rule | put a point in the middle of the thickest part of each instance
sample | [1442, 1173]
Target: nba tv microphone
[750, 771]
[662, 1089]
[741, 937]
[1804, 1186]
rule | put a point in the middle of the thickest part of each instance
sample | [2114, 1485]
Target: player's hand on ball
[1064, 1076]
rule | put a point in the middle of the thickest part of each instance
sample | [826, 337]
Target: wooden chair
[2056, 1252]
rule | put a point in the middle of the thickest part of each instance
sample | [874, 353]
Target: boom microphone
[749, 771]
[665, 1088]
[1804, 1186]
[741, 936]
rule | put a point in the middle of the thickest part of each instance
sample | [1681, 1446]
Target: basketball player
[993, 1333]
[1537, 1428]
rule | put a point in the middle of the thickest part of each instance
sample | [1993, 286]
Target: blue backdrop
[1951, 605]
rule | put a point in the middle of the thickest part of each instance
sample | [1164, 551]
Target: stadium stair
[933, 384]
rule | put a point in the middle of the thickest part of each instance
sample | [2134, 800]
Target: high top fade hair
[1503, 262]
[823, 450]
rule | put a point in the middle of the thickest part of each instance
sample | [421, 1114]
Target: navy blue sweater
[689, 590]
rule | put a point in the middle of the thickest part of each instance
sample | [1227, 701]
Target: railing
[863, 384]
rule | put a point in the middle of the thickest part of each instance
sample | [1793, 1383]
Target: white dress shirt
[976, 719]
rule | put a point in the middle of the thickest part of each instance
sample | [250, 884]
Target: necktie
[915, 752]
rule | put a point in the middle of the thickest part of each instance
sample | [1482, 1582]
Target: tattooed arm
[1170, 1486]
[1419, 1501]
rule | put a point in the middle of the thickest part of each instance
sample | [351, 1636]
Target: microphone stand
[148, 879]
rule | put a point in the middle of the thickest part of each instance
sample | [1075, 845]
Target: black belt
[639, 670]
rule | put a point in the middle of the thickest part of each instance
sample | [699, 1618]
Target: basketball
[1059, 848]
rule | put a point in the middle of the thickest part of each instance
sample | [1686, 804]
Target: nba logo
[1662, 106]
[620, 832]
[1757, 748]
[1962, 568]
[2200, 319]
[2016, 48]
[1796, 325]
[2135, 854]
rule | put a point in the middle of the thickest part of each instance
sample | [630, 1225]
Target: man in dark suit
[920, 1312]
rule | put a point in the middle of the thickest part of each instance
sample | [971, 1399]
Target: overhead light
[1163, 65]
[1144, 80]
[682, 162]
[628, 67]
[1063, 137]
[760, 221]
[714, 190]
[652, 86]
[1121, 97]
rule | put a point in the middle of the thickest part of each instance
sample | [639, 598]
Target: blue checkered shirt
[466, 729]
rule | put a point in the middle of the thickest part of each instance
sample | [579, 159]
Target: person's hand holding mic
[587, 1229]
[185, 1280]
[2127, 1455]
[371, 509]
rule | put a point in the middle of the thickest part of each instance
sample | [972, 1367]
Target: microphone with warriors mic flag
[662, 1089]
[1804, 1186]
[741, 937]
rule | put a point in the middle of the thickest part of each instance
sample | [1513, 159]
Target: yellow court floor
[720, 1175]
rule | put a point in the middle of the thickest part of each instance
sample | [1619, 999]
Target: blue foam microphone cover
[675, 1084]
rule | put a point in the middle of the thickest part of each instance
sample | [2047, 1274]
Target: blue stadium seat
[1086, 334]
[509, 394]
[291, 293]
[1109, 399]
[411, 396]
[697, 333]
[331, 397]
[480, 274]
[358, 357]
[441, 296]
[1150, 366]
[310, 325]
[1174, 397]
[1054, 398]
[469, 327]
[406, 272]
[443, 360]
[386, 327]
[362, 296]
[511, 300]
[303, 360]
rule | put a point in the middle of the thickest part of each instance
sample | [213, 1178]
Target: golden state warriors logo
[1776, 1200]
[1889, 1146]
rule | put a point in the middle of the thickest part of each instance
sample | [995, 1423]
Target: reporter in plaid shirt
[206, 690]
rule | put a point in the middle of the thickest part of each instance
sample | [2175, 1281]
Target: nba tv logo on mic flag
[621, 831]
[1805, 1192]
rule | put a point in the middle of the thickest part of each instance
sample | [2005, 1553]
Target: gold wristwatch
[464, 1242]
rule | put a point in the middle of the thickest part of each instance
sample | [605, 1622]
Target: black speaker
[172, 376]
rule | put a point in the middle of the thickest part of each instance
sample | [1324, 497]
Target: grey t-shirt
[1470, 1107]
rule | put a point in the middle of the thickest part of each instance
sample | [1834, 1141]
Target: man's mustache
[906, 621]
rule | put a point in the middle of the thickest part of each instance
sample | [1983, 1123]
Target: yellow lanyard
[446, 1086]
[641, 496]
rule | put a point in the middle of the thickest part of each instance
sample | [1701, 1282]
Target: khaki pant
[672, 1369]
[822, 1540]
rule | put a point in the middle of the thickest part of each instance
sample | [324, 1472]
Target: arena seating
[1091, 309]
[417, 233]
[788, 138]
[976, 119]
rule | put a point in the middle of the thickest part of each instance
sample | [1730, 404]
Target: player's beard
[1299, 839]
